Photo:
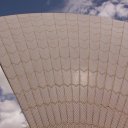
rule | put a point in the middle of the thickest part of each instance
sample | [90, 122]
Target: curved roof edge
[103, 18]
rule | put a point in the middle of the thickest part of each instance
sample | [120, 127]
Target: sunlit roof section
[67, 70]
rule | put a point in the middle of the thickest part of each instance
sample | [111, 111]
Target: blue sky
[116, 9]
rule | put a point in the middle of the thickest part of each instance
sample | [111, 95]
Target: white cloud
[121, 11]
[9, 106]
[107, 9]
[4, 83]
[114, 1]
[10, 115]
[124, 1]
[78, 6]
[10, 112]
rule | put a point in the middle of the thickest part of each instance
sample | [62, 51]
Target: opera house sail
[67, 70]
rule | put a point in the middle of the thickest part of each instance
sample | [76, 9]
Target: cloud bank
[116, 9]
[10, 112]
[10, 115]
[4, 83]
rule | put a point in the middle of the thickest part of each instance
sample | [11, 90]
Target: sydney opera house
[67, 70]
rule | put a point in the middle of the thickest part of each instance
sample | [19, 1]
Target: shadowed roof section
[67, 70]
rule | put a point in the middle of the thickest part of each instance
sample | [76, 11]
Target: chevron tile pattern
[67, 70]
